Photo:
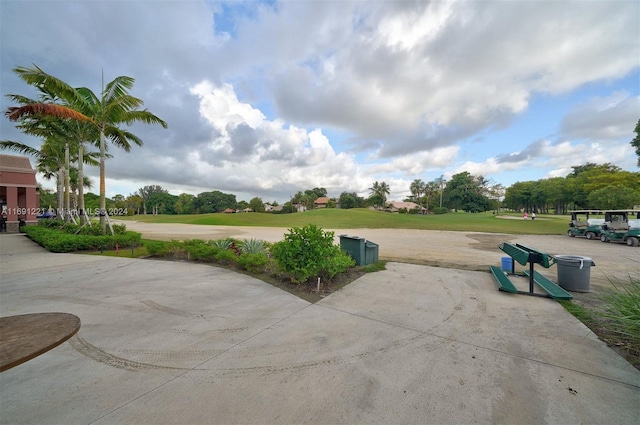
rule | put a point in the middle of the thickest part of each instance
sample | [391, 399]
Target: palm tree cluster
[379, 192]
[68, 119]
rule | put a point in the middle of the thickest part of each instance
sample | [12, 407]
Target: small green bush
[202, 252]
[176, 249]
[156, 248]
[308, 252]
[440, 210]
[253, 262]
[226, 256]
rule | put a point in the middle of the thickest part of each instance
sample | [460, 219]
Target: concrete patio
[172, 342]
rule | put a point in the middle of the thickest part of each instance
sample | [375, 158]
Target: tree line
[588, 186]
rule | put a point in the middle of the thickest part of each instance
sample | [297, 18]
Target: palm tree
[380, 191]
[47, 119]
[417, 189]
[106, 113]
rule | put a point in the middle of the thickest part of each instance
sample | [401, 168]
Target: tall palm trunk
[60, 190]
[80, 182]
[103, 203]
[67, 181]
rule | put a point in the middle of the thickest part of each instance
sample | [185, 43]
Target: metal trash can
[574, 272]
[354, 246]
[370, 252]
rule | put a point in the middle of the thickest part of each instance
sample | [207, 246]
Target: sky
[267, 98]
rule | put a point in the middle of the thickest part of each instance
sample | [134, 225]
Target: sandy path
[460, 250]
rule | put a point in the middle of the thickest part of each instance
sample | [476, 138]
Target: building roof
[322, 200]
[407, 205]
[19, 164]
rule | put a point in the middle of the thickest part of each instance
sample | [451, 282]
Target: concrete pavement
[172, 342]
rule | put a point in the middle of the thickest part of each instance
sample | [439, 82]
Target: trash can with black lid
[574, 272]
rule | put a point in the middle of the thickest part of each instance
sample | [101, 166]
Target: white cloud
[251, 91]
[603, 118]
[271, 157]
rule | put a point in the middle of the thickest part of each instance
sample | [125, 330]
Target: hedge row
[305, 254]
[57, 240]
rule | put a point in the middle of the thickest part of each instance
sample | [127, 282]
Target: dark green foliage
[161, 203]
[59, 240]
[254, 263]
[199, 250]
[440, 210]
[227, 256]
[309, 252]
[216, 201]
[466, 192]
[614, 197]
[156, 248]
[636, 141]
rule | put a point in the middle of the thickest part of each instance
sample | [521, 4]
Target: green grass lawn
[332, 218]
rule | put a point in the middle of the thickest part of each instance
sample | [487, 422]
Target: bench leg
[531, 277]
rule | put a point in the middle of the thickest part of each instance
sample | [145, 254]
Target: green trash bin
[354, 246]
[370, 252]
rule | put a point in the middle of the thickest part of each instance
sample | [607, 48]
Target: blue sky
[268, 98]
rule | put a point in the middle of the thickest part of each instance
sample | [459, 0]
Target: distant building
[19, 193]
[397, 205]
[321, 202]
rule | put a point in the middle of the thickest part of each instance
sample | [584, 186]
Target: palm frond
[38, 78]
[122, 138]
[14, 113]
[19, 147]
[117, 88]
[22, 100]
[145, 117]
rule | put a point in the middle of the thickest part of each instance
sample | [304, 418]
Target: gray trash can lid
[575, 259]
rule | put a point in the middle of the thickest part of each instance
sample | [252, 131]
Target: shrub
[253, 246]
[440, 210]
[309, 251]
[176, 249]
[57, 240]
[253, 262]
[222, 243]
[202, 252]
[226, 256]
[156, 248]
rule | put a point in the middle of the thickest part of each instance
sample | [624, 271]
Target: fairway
[360, 218]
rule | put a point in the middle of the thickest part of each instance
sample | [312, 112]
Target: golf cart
[583, 225]
[621, 226]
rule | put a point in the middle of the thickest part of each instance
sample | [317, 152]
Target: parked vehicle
[621, 226]
[582, 224]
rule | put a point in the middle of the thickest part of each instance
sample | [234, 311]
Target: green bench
[526, 255]
[550, 287]
[504, 282]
